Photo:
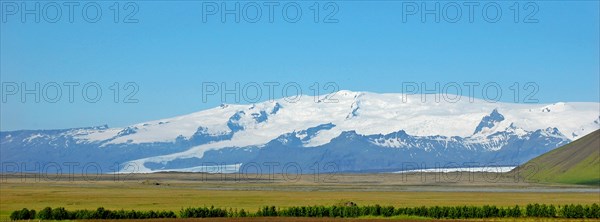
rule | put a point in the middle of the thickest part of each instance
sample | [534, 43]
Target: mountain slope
[576, 163]
[356, 131]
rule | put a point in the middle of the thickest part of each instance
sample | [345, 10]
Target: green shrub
[23, 214]
[342, 211]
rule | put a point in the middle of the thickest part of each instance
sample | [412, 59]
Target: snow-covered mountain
[349, 131]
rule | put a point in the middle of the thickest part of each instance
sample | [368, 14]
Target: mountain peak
[489, 121]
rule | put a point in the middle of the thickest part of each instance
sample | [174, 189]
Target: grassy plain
[173, 191]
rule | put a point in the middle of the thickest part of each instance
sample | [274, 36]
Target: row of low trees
[456, 212]
[579, 211]
[388, 211]
[61, 213]
[201, 212]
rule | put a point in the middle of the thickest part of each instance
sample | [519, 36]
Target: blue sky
[170, 52]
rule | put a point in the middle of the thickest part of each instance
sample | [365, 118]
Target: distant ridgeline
[359, 132]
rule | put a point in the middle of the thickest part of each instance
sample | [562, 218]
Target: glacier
[360, 132]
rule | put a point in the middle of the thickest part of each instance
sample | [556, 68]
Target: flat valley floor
[174, 191]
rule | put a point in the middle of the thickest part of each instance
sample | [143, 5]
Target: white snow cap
[364, 112]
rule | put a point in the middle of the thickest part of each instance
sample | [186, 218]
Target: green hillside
[575, 163]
